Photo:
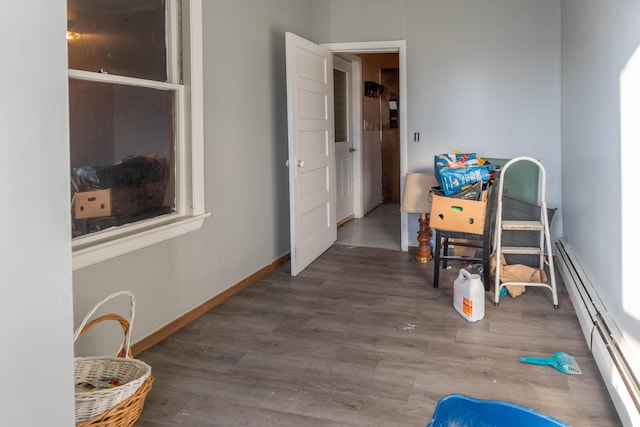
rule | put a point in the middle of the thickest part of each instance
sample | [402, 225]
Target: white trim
[183, 190]
[196, 95]
[399, 46]
[614, 382]
[366, 47]
[111, 248]
[123, 80]
[173, 43]
[404, 221]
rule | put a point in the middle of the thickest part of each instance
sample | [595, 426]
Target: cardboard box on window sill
[121, 201]
[450, 213]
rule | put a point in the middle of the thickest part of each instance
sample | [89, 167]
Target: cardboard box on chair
[450, 213]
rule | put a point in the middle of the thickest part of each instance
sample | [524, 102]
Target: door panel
[311, 162]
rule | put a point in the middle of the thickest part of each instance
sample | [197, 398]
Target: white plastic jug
[468, 296]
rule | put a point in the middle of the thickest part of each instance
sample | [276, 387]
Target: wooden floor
[361, 338]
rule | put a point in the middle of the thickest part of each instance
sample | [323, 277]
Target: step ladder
[540, 226]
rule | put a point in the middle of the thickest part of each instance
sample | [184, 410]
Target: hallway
[379, 229]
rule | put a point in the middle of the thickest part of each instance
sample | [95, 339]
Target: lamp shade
[415, 197]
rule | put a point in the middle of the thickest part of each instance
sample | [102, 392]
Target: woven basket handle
[125, 348]
[125, 328]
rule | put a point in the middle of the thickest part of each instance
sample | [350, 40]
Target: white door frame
[399, 46]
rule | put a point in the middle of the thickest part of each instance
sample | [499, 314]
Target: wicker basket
[134, 376]
[125, 413]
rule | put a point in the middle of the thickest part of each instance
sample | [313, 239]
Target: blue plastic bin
[457, 410]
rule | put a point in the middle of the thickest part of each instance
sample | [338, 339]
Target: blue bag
[456, 171]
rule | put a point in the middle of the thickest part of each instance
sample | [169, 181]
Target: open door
[342, 93]
[312, 192]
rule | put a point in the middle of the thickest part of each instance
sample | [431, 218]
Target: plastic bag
[472, 192]
[457, 171]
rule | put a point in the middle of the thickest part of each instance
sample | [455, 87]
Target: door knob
[351, 149]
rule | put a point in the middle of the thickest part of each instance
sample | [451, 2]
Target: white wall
[598, 40]
[35, 261]
[246, 178]
[482, 76]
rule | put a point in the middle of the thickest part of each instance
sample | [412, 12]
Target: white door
[311, 161]
[343, 138]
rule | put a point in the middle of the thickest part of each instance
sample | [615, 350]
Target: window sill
[86, 253]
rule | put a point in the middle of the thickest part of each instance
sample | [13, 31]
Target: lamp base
[423, 260]
[424, 236]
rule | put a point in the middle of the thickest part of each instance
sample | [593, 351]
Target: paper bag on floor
[463, 251]
[516, 273]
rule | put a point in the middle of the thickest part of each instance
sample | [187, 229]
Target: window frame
[189, 147]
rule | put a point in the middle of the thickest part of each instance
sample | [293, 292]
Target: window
[341, 105]
[135, 124]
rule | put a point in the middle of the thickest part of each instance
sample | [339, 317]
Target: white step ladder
[540, 226]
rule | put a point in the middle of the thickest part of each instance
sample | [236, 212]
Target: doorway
[380, 142]
[378, 224]
[311, 160]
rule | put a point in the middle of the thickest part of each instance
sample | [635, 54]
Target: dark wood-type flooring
[361, 338]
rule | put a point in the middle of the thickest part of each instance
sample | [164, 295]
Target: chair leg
[445, 251]
[486, 263]
[436, 260]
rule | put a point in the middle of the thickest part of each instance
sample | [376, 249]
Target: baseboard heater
[603, 337]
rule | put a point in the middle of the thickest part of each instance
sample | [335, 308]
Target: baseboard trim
[344, 221]
[153, 339]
